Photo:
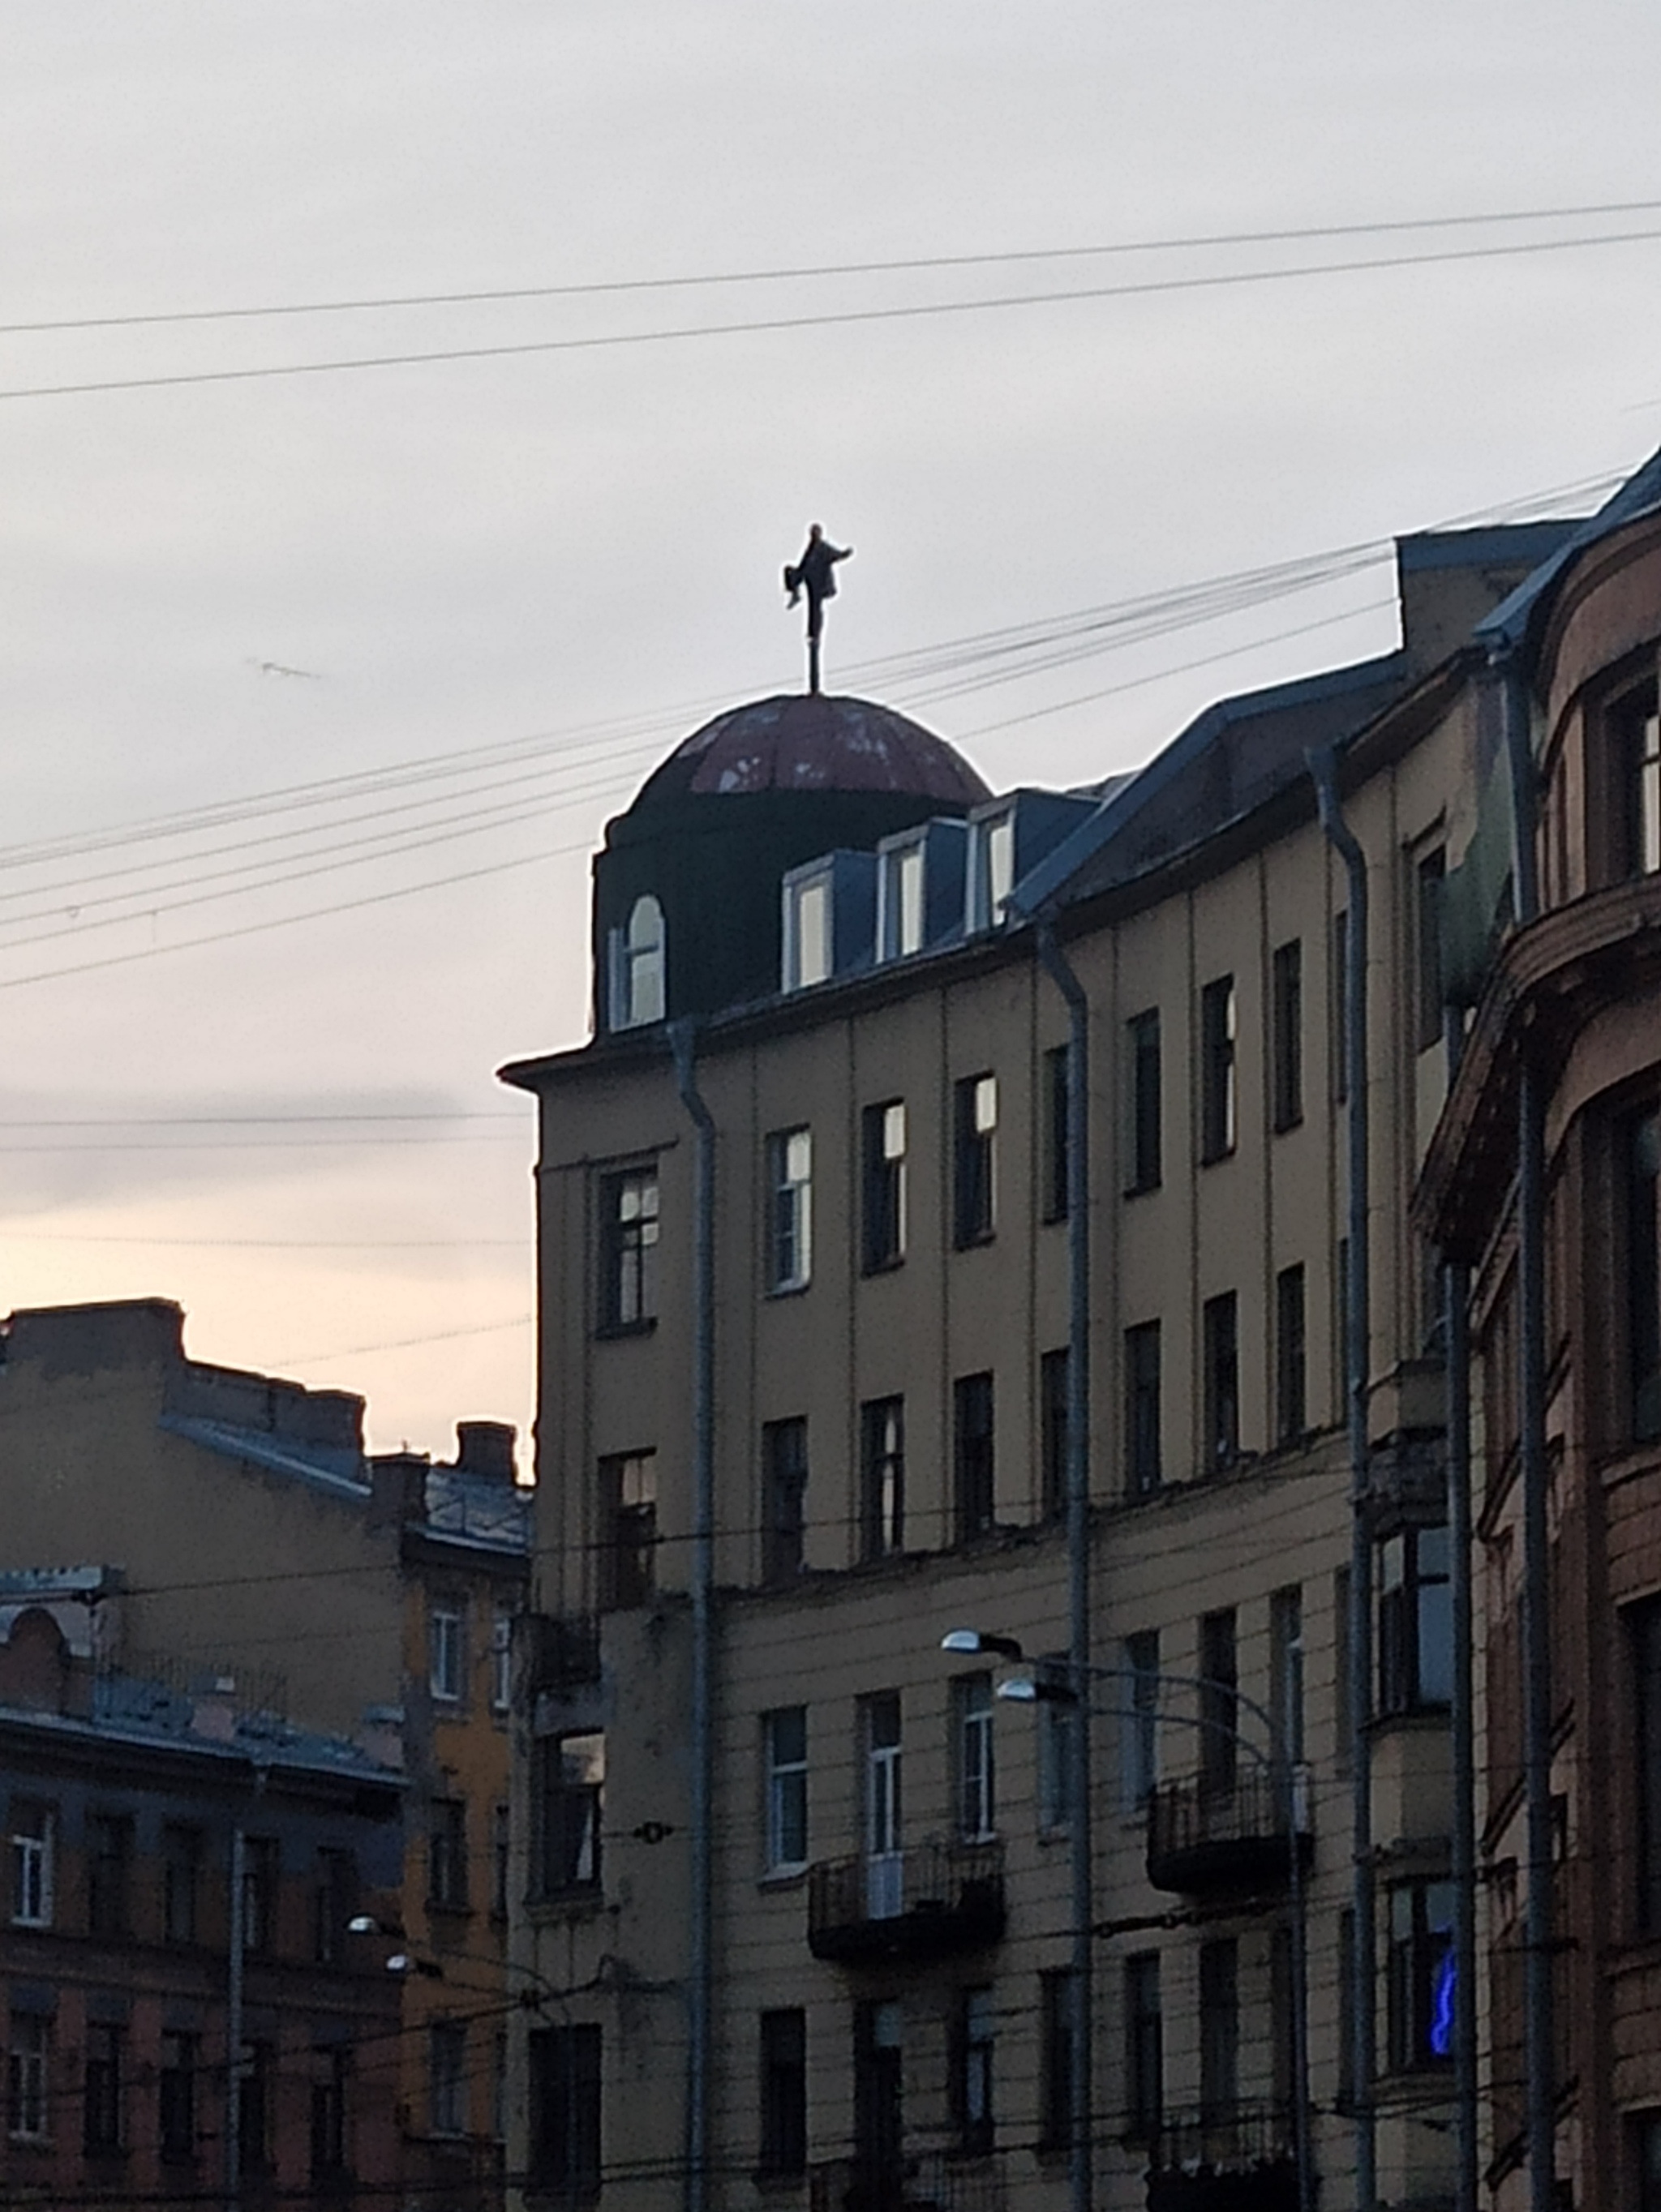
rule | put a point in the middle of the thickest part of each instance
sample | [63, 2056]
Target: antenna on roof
[816, 574]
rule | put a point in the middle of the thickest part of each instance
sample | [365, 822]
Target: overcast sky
[216, 590]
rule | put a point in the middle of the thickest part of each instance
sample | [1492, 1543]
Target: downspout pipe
[1456, 1321]
[1081, 2152]
[700, 1976]
[1322, 768]
[1532, 1466]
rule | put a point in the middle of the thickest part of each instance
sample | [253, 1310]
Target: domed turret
[687, 890]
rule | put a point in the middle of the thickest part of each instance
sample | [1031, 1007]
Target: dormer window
[991, 869]
[806, 931]
[900, 901]
[637, 966]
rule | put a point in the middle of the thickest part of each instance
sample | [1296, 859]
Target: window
[637, 965]
[972, 1716]
[783, 2147]
[879, 2095]
[1339, 1040]
[1647, 2155]
[1286, 1034]
[565, 2110]
[176, 2077]
[975, 2047]
[109, 1873]
[790, 1210]
[808, 944]
[1142, 1057]
[1636, 729]
[1341, 1324]
[1220, 1341]
[261, 1868]
[103, 2093]
[181, 1876]
[1343, 1727]
[1144, 2037]
[628, 1249]
[1142, 1463]
[991, 870]
[1057, 1719]
[974, 1125]
[973, 1456]
[884, 1147]
[1057, 1166]
[332, 2070]
[1142, 1720]
[784, 1498]
[502, 1662]
[570, 1784]
[1639, 1228]
[1286, 1672]
[31, 1834]
[1219, 2030]
[1056, 2026]
[447, 1854]
[1421, 1976]
[1290, 1375]
[1219, 1703]
[1282, 2001]
[1429, 882]
[885, 1878]
[28, 2070]
[1217, 1105]
[1644, 1630]
[900, 914]
[500, 1859]
[784, 1751]
[1415, 1621]
[255, 2098]
[446, 2077]
[1054, 1469]
[882, 1478]
[1345, 2094]
[446, 1647]
[333, 1896]
[628, 1501]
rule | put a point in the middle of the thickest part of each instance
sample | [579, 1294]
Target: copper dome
[807, 742]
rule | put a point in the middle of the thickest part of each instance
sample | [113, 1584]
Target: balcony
[1204, 1837]
[916, 1905]
[562, 1655]
[931, 2181]
[1239, 2159]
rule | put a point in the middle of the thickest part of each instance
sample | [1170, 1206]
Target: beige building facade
[799, 1884]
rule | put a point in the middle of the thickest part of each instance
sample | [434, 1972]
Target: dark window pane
[1144, 2046]
[973, 1455]
[882, 1478]
[1428, 884]
[1216, 1077]
[1220, 1343]
[784, 1498]
[1056, 1139]
[565, 2110]
[1143, 1472]
[1142, 1039]
[883, 1144]
[1054, 1384]
[974, 1130]
[783, 2092]
[629, 1248]
[1286, 1044]
[1291, 1388]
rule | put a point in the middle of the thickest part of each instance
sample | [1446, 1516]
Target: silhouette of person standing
[815, 573]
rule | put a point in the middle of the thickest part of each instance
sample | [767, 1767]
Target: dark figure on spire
[815, 573]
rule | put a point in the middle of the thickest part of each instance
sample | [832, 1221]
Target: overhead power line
[914, 264]
[909, 310]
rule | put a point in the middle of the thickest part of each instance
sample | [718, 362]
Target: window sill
[1285, 1129]
[978, 1243]
[790, 1290]
[565, 1905]
[1142, 1189]
[609, 1332]
[1216, 1159]
[778, 2183]
[889, 1266]
[782, 1877]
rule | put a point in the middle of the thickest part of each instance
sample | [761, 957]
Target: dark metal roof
[807, 742]
[1510, 623]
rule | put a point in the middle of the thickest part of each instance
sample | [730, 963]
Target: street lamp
[1034, 1689]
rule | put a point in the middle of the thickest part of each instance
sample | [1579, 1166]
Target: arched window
[637, 966]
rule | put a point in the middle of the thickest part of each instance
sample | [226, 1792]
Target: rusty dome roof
[807, 742]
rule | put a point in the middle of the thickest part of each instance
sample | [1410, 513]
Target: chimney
[398, 1488]
[485, 1448]
[213, 1711]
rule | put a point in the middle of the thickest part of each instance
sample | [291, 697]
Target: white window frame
[809, 931]
[972, 1711]
[901, 908]
[991, 869]
[786, 1791]
[637, 966]
[790, 1209]
[502, 1662]
[31, 1866]
[447, 1628]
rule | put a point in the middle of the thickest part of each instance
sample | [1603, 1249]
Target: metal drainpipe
[1363, 2024]
[234, 2023]
[1532, 1465]
[1082, 2157]
[702, 1978]
[1456, 1312]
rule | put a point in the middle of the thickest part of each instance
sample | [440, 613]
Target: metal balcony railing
[1203, 1836]
[925, 2181]
[1233, 2157]
[925, 1903]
